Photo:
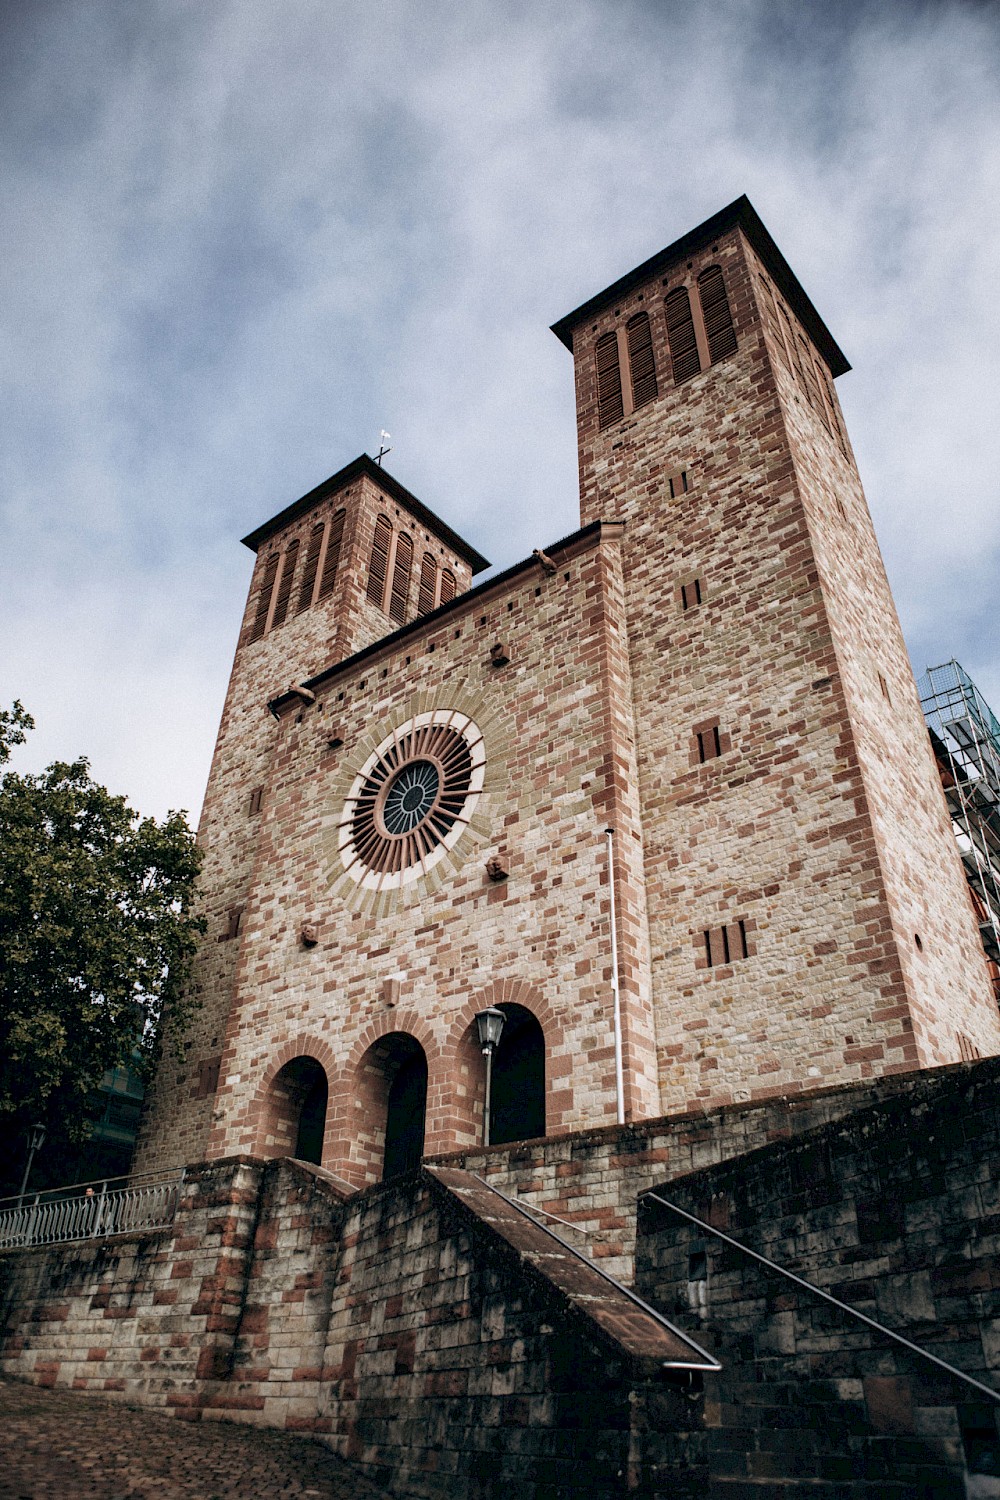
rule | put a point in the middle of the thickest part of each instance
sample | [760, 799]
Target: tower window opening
[691, 594]
[609, 381]
[285, 586]
[332, 559]
[311, 564]
[725, 945]
[401, 578]
[709, 744]
[640, 358]
[715, 310]
[448, 585]
[681, 336]
[428, 583]
[379, 564]
[264, 597]
[678, 484]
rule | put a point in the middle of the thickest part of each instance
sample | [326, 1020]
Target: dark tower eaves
[364, 465]
[740, 214]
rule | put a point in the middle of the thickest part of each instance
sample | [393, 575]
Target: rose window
[412, 799]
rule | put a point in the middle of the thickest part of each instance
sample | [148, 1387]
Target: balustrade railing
[88, 1211]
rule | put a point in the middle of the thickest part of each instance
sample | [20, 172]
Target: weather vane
[383, 450]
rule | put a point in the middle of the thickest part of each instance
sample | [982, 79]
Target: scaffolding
[965, 734]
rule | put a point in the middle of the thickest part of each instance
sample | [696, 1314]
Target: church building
[662, 793]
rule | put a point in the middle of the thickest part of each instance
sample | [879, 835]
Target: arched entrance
[392, 1096]
[295, 1120]
[517, 1103]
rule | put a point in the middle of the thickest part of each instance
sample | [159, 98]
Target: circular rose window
[412, 799]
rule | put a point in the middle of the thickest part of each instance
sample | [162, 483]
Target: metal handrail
[708, 1361]
[87, 1215]
[897, 1338]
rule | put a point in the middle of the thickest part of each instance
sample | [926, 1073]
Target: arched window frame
[427, 589]
[331, 558]
[264, 595]
[402, 566]
[641, 362]
[610, 403]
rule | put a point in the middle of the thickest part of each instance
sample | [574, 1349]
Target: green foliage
[96, 937]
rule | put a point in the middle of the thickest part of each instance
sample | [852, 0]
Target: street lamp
[490, 1024]
[35, 1142]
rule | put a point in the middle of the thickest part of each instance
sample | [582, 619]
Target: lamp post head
[490, 1024]
[37, 1137]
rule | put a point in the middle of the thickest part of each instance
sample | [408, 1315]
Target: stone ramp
[641, 1331]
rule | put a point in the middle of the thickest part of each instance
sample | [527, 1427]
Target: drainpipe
[619, 1077]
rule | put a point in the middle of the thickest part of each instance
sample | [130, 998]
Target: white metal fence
[88, 1211]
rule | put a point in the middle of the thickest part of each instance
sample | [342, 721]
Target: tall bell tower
[808, 917]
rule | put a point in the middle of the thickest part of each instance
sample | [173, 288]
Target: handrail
[816, 1291]
[53, 1220]
[122, 1179]
[708, 1361]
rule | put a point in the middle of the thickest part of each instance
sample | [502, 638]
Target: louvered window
[715, 310]
[428, 580]
[640, 358]
[401, 578]
[285, 586]
[312, 562]
[380, 561]
[264, 597]
[332, 558]
[448, 585]
[680, 335]
[609, 381]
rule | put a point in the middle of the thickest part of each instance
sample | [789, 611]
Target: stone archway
[517, 1104]
[462, 1120]
[294, 1109]
[390, 1108]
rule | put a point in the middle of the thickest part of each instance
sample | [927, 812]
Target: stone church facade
[406, 820]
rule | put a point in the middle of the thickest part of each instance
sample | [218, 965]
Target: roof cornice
[367, 467]
[742, 215]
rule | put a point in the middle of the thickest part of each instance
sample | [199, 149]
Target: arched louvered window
[379, 561]
[609, 380]
[448, 585]
[428, 581]
[640, 359]
[680, 335]
[715, 310]
[401, 578]
[332, 558]
[285, 586]
[264, 597]
[311, 564]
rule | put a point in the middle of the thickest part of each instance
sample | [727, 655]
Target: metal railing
[816, 1291]
[89, 1211]
[702, 1360]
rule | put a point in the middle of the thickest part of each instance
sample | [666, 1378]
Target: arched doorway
[405, 1112]
[392, 1095]
[517, 1102]
[296, 1111]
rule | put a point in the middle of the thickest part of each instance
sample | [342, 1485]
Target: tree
[97, 933]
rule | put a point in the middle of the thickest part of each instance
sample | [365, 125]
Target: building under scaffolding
[965, 734]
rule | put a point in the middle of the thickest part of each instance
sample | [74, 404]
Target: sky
[242, 238]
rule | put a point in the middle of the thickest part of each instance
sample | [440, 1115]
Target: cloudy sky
[242, 237]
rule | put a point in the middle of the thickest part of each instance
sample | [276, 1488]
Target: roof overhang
[742, 215]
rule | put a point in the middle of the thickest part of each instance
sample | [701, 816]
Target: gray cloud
[242, 238]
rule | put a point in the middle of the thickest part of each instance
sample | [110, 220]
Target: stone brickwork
[712, 668]
[820, 825]
[449, 1353]
[893, 1209]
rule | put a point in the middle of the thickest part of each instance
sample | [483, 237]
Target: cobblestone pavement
[56, 1445]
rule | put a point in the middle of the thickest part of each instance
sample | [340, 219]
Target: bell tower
[809, 920]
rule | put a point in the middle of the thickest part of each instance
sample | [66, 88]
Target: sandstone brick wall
[556, 719]
[818, 825]
[179, 1114]
[893, 1210]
